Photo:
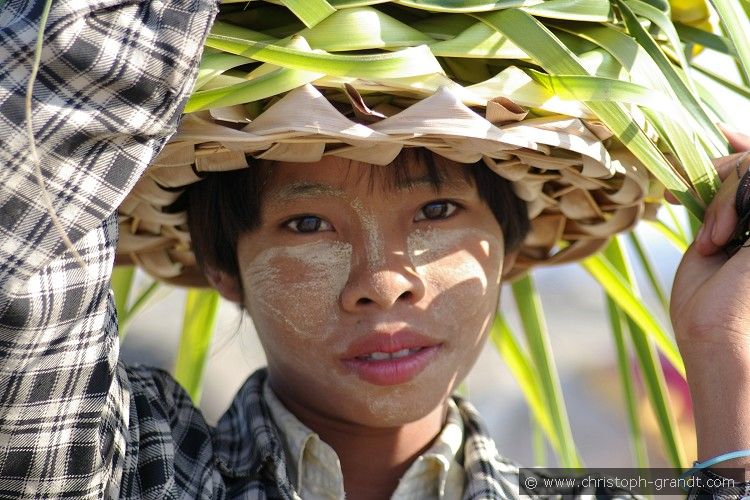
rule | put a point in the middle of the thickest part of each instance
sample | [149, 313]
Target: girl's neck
[373, 459]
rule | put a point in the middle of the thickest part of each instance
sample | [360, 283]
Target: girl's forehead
[335, 176]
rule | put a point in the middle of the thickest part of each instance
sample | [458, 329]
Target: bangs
[411, 168]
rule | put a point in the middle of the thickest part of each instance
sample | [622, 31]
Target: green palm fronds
[619, 60]
[201, 308]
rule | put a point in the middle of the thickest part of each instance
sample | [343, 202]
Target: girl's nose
[382, 284]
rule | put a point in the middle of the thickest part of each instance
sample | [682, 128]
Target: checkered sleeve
[113, 78]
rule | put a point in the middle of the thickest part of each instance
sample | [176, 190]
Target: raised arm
[112, 81]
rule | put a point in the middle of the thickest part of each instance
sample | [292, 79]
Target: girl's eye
[308, 224]
[436, 210]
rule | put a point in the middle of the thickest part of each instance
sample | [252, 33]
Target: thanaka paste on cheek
[458, 264]
[299, 285]
[293, 294]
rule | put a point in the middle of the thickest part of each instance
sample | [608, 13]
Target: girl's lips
[392, 371]
[388, 342]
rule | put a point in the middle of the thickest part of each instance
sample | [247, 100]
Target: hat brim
[580, 185]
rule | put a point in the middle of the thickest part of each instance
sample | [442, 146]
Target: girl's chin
[392, 417]
[394, 407]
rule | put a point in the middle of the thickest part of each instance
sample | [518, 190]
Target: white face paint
[430, 249]
[461, 269]
[445, 261]
[282, 281]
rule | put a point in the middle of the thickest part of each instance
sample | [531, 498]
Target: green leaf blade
[201, 308]
[267, 85]
[528, 380]
[622, 293]
[737, 27]
[537, 337]
[310, 12]
[412, 61]
[537, 41]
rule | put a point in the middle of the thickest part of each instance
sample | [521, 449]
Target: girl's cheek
[456, 257]
[461, 268]
[296, 289]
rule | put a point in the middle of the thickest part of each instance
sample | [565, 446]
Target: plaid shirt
[74, 422]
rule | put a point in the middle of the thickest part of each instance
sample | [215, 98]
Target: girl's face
[372, 301]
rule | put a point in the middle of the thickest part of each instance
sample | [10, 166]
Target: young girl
[372, 289]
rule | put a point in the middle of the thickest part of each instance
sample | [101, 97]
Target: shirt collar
[246, 442]
[314, 461]
[310, 459]
[440, 464]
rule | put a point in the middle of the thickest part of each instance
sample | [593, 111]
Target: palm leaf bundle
[622, 63]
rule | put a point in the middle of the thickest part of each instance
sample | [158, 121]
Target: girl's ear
[227, 285]
[508, 262]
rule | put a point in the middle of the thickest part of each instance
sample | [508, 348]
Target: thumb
[737, 140]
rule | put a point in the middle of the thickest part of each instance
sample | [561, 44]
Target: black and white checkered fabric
[113, 80]
[74, 422]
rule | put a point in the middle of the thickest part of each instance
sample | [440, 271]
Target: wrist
[716, 376]
[725, 465]
[723, 345]
[718, 381]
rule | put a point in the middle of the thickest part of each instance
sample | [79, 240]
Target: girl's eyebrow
[427, 181]
[423, 181]
[297, 190]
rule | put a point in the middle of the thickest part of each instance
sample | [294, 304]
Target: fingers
[740, 143]
[719, 222]
[671, 198]
[733, 164]
[725, 165]
[737, 140]
[721, 217]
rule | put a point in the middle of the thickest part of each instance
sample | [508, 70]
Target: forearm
[112, 82]
[60, 400]
[719, 381]
[111, 85]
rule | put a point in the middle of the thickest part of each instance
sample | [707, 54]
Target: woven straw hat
[580, 184]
